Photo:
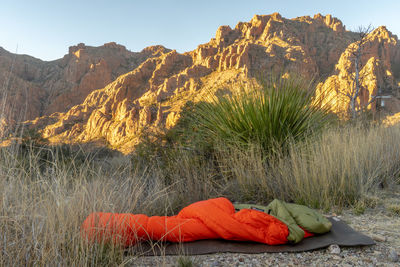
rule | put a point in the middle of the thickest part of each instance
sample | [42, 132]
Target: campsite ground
[381, 222]
[47, 192]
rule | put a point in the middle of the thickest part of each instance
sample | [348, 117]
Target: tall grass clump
[281, 110]
[338, 168]
[46, 195]
[343, 166]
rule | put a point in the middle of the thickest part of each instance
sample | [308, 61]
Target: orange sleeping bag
[208, 219]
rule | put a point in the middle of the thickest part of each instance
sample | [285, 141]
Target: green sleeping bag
[295, 217]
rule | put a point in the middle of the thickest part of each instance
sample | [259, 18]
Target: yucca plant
[282, 110]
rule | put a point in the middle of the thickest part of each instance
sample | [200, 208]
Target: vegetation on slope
[282, 110]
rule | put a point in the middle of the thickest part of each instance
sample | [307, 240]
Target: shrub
[185, 261]
[279, 111]
[394, 209]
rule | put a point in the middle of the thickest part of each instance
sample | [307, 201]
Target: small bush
[394, 209]
[359, 208]
[185, 261]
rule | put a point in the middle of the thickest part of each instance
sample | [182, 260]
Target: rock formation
[37, 88]
[113, 95]
[379, 76]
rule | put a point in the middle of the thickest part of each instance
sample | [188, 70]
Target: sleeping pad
[208, 219]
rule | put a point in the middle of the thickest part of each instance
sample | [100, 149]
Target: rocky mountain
[39, 88]
[379, 75]
[111, 95]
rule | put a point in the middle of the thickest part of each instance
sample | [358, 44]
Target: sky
[46, 28]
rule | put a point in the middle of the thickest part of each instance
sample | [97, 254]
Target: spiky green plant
[282, 109]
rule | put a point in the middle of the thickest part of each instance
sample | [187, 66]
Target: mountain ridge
[150, 94]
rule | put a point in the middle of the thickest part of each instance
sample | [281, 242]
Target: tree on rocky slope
[357, 54]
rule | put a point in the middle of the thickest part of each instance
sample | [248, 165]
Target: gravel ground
[382, 223]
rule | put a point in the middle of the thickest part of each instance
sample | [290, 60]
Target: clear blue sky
[46, 28]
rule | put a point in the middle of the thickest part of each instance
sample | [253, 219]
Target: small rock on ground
[334, 249]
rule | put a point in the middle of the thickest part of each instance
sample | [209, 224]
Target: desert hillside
[42, 88]
[264, 110]
[110, 94]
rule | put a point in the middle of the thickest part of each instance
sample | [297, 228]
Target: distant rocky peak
[155, 50]
[75, 48]
[114, 45]
[382, 33]
[332, 22]
[258, 20]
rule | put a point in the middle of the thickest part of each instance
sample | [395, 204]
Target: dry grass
[337, 169]
[44, 202]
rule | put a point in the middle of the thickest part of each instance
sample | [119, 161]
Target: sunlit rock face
[392, 119]
[379, 74]
[111, 94]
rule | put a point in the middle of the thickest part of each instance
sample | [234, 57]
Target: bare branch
[372, 99]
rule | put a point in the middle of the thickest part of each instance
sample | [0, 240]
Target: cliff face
[379, 74]
[146, 90]
[19, 91]
[307, 45]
